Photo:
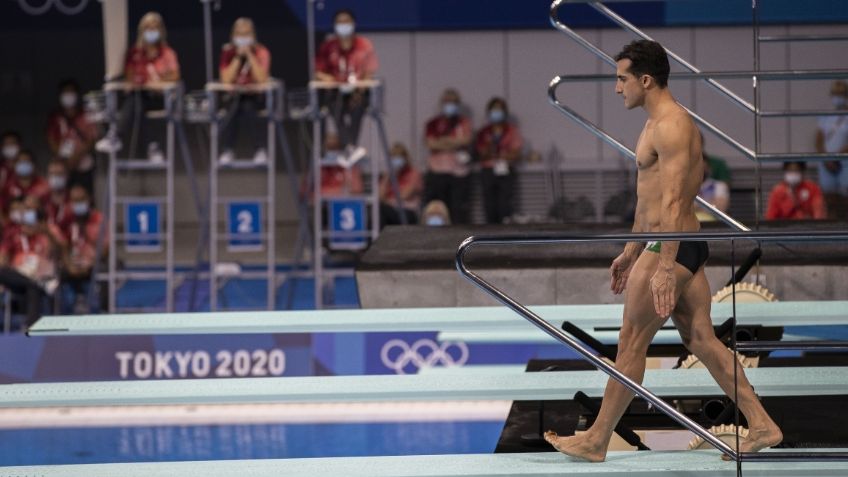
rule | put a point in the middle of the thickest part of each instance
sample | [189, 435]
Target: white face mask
[80, 208]
[344, 30]
[497, 115]
[56, 182]
[151, 36]
[398, 162]
[839, 102]
[792, 178]
[435, 221]
[10, 151]
[450, 109]
[243, 41]
[68, 100]
[24, 169]
[29, 217]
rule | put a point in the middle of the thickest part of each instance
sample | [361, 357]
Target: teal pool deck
[705, 463]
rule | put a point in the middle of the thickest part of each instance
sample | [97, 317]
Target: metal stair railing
[626, 151]
[695, 73]
[638, 389]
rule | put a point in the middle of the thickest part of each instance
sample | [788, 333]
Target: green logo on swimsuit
[654, 247]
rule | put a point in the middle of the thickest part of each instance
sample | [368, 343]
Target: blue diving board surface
[697, 463]
[808, 313]
[800, 381]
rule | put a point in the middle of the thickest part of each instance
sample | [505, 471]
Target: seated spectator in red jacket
[795, 197]
[346, 57]
[150, 60]
[57, 207]
[410, 188]
[27, 266]
[78, 240]
[10, 146]
[71, 135]
[24, 181]
[498, 146]
[244, 61]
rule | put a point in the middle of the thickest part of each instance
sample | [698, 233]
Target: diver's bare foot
[576, 446]
[759, 439]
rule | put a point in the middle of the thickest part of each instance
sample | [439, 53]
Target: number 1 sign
[142, 227]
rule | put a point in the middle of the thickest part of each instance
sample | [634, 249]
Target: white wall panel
[519, 65]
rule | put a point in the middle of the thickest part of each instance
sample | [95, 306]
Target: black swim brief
[689, 254]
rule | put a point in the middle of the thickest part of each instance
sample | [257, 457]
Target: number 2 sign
[244, 226]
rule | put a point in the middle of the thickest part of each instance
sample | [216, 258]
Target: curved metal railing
[638, 389]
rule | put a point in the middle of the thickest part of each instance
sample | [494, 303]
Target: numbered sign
[244, 226]
[347, 224]
[143, 226]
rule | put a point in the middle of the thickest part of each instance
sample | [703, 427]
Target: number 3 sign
[347, 224]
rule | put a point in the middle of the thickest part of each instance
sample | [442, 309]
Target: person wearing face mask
[832, 137]
[10, 146]
[343, 58]
[150, 63]
[795, 198]
[151, 60]
[77, 239]
[71, 136]
[498, 146]
[448, 137]
[435, 214]
[57, 207]
[410, 188]
[244, 61]
[27, 268]
[24, 181]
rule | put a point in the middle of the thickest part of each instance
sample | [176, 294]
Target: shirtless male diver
[663, 278]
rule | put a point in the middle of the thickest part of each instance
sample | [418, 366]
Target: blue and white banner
[115, 358]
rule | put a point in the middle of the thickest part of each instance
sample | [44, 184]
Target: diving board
[413, 319]
[699, 463]
[800, 381]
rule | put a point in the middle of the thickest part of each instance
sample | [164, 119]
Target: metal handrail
[557, 81]
[638, 389]
[695, 73]
[776, 75]
[616, 18]
[626, 151]
[786, 38]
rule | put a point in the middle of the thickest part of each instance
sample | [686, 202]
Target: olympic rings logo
[48, 4]
[425, 353]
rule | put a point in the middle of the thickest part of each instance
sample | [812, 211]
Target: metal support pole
[758, 186]
[171, 103]
[213, 199]
[271, 214]
[112, 282]
[317, 203]
[207, 37]
[390, 172]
